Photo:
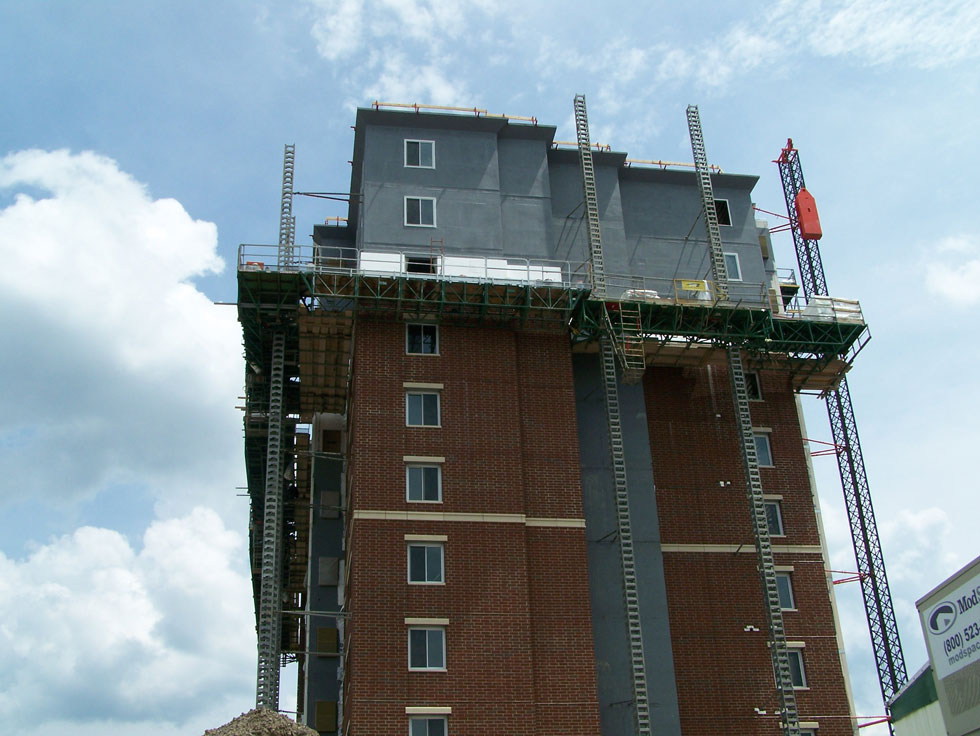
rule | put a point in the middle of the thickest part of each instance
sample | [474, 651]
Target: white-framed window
[421, 212]
[723, 211]
[423, 483]
[427, 649]
[732, 267]
[420, 154]
[753, 386]
[784, 587]
[774, 516]
[425, 563]
[427, 726]
[422, 409]
[796, 669]
[763, 449]
[422, 339]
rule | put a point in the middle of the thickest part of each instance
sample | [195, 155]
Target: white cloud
[93, 629]
[338, 27]
[401, 80]
[117, 369]
[922, 33]
[953, 270]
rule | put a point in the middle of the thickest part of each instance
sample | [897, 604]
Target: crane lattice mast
[854, 480]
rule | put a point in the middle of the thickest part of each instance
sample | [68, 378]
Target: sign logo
[942, 618]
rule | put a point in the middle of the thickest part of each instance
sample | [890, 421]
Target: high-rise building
[479, 522]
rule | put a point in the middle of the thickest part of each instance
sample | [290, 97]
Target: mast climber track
[778, 648]
[854, 480]
[270, 590]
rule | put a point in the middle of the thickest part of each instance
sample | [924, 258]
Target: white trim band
[470, 517]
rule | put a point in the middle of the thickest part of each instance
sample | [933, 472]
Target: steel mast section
[854, 480]
[607, 362]
[270, 576]
[778, 648]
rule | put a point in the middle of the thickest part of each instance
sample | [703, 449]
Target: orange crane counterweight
[806, 213]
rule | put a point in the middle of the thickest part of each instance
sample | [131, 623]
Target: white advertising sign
[952, 628]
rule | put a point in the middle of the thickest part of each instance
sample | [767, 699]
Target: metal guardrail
[825, 309]
[653, 289]
[416, 264]
[433, 264]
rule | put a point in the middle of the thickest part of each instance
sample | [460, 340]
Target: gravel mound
[261, 723]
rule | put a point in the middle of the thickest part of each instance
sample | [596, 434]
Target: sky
[141, 143]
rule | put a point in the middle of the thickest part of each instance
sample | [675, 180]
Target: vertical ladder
[750, 460]
[591, 200]
[626, 555]
[778, 649]
[719, 270]
[270, 580]
[610, 344]
[287, 223]
[878, 606]
[628, 327]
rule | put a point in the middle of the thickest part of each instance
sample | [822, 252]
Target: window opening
[422, 409]
[774, 517]
[427, 649]
[420, 154]
[427, 726]
[420, 264]
[732, 267]
[425, 563]
[784, 587]
[763, 450]
[723, 211]
[420, 211]
[422, 339]
[797, 672]
[423, 483]
[753, 386]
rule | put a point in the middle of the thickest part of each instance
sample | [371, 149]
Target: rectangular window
[422, 409]
[421, 212]
[426, 649]
[423, 483]
[427, 726]
[732, 267]
[796, 670]
[784, 586]
[422, 339]
[753, 386]
[774, 515]
[421, 264]
[762, 449]
[723, 211]
[420, 154]
[425, 563]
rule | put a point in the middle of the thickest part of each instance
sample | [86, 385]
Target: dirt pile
[261, 723]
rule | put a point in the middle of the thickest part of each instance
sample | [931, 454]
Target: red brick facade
[723, 670]
[519, 657]
[519, 648]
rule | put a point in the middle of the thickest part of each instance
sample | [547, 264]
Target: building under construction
[525, 448]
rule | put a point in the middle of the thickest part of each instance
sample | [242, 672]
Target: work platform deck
[316, 300]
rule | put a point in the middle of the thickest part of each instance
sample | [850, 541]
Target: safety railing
[696, 292]
[825, 309]
[421, 263]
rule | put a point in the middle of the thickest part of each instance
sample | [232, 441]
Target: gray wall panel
[605, 576]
